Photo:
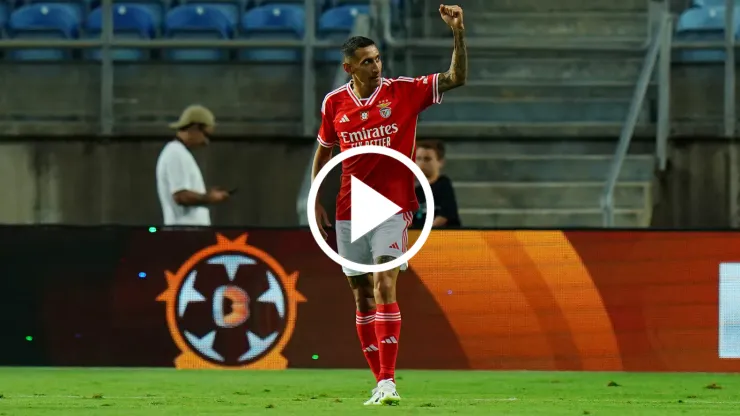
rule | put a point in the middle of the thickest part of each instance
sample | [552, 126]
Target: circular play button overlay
[369, 209]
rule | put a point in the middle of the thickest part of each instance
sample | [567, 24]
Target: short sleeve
[327, 136]
[176, 173]
[425, 90]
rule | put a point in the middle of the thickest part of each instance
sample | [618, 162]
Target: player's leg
[362, 290]
[389, 241]
[387, 330]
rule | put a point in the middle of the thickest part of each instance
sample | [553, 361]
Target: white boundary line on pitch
[547, 400]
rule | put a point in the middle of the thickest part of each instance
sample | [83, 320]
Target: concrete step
[608, 25]
[528, 89]
[476, 6]
[552, 109]
[544, 168]
[543, 195]
[582, 69]
[549, 218]
[548, 147]
[453, 130]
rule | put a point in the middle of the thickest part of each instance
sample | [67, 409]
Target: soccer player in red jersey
[372, 110]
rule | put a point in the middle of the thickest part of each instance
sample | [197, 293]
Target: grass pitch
[133, 392]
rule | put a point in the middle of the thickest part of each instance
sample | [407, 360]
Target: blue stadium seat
[338, 3]
[43, 21]
[132, 21]
[274, 21]
[341, 19]
[710, 3]
[78, 6]
[197, 22]
[319, 3]
[156, 7]
[396, 4]
[702, 24]
[337, 24]
[233, 9]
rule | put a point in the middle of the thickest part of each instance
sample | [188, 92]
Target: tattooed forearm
[458, 72]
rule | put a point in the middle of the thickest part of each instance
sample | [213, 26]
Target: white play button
[369, 209]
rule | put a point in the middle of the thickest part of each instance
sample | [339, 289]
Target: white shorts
[388, 239]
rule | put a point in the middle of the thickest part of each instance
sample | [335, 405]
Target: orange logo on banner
[231, 306]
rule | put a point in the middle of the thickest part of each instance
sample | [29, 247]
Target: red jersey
[388, 118]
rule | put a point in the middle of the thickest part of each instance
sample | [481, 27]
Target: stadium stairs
[565, 99]
[547, 184]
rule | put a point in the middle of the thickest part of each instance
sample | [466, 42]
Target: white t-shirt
[177, 171]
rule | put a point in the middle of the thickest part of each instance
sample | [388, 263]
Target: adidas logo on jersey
[394, 246]
[344, 119]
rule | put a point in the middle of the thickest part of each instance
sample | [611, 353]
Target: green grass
[131, 392]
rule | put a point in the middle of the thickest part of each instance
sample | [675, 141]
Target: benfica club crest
[385, 109]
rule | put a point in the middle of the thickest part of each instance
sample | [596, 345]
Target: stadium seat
[702, 24]
[319, 3]
[197, 22]
[337, 24]
[156, 7]
[233, 9]
[710, 3]
[43, 21]
[396, 4]
[79, 7]
[338, 3]
[274, 21]
[132, 21]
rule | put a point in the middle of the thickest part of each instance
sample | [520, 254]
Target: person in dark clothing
[430, 158]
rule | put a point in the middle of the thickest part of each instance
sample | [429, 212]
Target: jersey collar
[369, 100]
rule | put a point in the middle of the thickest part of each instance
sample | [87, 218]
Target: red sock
[388, 332]
[365, 323]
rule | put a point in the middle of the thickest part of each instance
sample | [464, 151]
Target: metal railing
[660, 47]
[107, 42]
[729, 45]
[310, 43]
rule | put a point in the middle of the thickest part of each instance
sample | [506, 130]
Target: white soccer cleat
[387, 393]
[374, 399]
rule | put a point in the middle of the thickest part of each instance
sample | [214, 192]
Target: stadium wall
[93, 182]
[695, 190]
[270, 299]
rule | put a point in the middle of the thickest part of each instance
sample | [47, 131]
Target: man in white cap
[182, 192]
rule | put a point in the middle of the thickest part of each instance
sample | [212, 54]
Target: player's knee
[385, 285]
[362, 289]
[364, 304]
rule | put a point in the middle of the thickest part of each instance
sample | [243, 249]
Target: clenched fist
[453, 16]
